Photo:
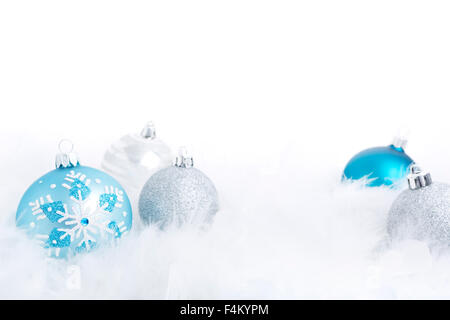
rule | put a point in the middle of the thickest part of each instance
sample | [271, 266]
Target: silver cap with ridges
[184, 159]
[418, 179]
[148, 132]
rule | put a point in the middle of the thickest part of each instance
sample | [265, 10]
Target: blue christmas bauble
[380, 166]
[74, 209]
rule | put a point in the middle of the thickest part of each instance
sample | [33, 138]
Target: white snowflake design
[84, 224]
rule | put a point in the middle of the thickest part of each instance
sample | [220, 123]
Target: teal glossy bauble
[386, 166]
[74, 209]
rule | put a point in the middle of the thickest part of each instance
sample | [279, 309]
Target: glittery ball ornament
[421, 212]
[381, 166]
[74, 208]
[135, 157]
[178, 195]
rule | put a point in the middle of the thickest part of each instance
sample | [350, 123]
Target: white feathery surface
[283, 236]
[272, 98]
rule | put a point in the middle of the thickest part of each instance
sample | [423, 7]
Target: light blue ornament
[388, 165]
[74, 208]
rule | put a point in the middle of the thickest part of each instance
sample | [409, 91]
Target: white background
[243, 79]
[278, 87]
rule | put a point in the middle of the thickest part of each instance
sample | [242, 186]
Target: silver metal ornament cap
[66, 158]
[184, 159]
[149, 132]
[418, 179]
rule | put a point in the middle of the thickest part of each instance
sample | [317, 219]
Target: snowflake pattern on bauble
[88, 218]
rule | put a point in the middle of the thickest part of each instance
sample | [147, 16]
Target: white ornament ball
[134, 158]
[178, 195]
[422, 212]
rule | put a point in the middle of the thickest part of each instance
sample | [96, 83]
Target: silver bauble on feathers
[421, 212]
[178, 195]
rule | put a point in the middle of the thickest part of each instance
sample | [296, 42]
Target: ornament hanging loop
[401, 139]
[65, 146]
[66, 158]
[418, 179]
[184, 160]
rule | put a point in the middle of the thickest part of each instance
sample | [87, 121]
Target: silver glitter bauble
[178, 195]
[421, 212]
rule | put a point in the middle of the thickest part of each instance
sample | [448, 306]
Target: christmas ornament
[380, 165]
[421, 212]
[134, 158]
[178, 195]
[74, 208]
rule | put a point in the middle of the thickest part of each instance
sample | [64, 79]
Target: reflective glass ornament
[74, 209]
[178, 195]
[134, 158]
[386, 165]
[421, 212]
